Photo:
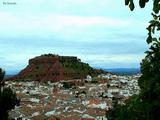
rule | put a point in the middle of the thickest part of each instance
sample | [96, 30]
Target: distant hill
[8, 76]
[50, 67]
[123, 71]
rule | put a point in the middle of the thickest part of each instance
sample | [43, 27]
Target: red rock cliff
[54, 68]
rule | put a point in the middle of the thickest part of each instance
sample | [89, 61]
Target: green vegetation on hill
[73, 67]
[78, 69]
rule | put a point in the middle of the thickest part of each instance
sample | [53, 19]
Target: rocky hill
[49, 67]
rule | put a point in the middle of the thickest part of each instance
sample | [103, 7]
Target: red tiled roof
[87, 119]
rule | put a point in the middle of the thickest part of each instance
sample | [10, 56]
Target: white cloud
[114, 61]
[85, 20]
[66, 26]
[56, 21]
[114, 58]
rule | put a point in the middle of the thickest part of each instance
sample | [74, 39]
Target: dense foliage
[8, 99]
[146, 105]
[1, 75]
[79, 69]
[66, 85]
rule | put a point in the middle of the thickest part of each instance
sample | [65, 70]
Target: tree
[67, 85]
[146, 105]
[8, 99]
[1, 75]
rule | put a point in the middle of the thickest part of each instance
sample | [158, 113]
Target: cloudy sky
[103, 33]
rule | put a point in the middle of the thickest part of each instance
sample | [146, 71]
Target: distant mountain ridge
[123, 71]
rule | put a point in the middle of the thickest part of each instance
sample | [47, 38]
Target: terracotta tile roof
[53, 118]
[20, 95]
[39, 117]
[87, 119]
[26, 110]
[94, 101]
[95, 112]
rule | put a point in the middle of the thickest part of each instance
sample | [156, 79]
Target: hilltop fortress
[50, 67]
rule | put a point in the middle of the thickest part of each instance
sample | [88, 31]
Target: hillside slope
[49, 67]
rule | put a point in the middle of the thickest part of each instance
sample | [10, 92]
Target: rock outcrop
[54, 68]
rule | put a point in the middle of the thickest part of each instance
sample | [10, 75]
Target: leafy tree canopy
[146, 105]
[8, 99]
